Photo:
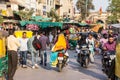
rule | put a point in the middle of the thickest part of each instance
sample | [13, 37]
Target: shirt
[110, 47]
[103, 41]
[23, 43]
[12, 43]
[44, 41]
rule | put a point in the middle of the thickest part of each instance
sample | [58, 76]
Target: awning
[42, 24]
[40, 18]
[84, 25]
[116, 25]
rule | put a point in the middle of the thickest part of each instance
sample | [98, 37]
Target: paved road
[71, 72]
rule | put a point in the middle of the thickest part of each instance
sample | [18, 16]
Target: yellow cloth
[96, 28]
[117, 66]
[60, 44]
[2, 47]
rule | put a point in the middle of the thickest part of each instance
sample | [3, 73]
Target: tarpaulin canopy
[116, 25]
[84, 25]
[42, 24]
[40, 18]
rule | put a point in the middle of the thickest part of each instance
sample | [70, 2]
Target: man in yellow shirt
[12, 46]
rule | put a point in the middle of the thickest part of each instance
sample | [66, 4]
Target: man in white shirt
[23, 49]
[12, 46]
[50, 39]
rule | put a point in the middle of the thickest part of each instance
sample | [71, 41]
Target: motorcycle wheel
[60, 67]
[86, 62]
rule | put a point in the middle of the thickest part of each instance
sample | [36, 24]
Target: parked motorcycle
[83, 56]
[62, 60]
[108, 63]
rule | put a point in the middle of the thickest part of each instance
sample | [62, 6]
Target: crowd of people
[103, 42]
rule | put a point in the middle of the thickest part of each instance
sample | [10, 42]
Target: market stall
[3, 54]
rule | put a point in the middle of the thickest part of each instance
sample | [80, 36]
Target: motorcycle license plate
[112, 57]
[60, 58]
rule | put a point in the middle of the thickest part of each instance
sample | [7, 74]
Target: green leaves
[52, 14]
[25, 15]
[114, 8]
[1, 19]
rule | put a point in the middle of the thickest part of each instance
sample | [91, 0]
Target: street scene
[59, 40]
[72, 71]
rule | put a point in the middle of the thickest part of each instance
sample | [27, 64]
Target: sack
[91, 57]
[36, 44]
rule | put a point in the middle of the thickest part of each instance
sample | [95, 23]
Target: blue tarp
[53, 57]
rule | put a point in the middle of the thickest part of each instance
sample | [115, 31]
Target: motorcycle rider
[81, 42]
[110, 46]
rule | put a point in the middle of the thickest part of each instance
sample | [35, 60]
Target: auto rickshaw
[3, 55]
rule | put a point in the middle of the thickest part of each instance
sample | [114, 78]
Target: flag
[100, 10]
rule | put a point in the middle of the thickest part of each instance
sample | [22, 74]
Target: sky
[98, 3]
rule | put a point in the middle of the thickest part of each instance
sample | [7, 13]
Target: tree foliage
[52, 14]
[1, 19]
[81, 7]
[114, 8]
[25, 15]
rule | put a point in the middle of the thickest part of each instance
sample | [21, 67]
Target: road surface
[72, 71]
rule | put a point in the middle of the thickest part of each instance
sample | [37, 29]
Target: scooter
[108, 63]
[83, 56]
[62, 60]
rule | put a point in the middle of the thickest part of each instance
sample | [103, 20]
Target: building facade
[67, 9]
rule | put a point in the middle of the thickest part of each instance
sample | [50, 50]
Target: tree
[25, 15]
[1, 19]
[84, 6]
[52, 14]
[114, 9]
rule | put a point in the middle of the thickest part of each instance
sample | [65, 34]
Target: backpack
[36, 44]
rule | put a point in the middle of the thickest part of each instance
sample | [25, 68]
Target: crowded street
[73, 71]
[59, 40]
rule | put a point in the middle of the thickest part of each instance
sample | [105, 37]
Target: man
[110, 45]
[50, 39]
[33, 51]
[104, 40]
[44, 42]
[12, 45]
[23, 49]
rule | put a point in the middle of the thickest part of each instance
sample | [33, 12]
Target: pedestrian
[33, 51]
[91, 42]
[50, 39]
[23, 49]
[12, 46]
[43, 54]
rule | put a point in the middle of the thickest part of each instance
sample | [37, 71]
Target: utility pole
[86, 9]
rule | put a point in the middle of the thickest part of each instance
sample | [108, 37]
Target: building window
[44, 12]
[44, 7]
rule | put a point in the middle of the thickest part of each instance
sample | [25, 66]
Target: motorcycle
[62, 60]
[83, 56]
[108, 64]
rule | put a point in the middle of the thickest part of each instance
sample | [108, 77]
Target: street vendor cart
[3, 55]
